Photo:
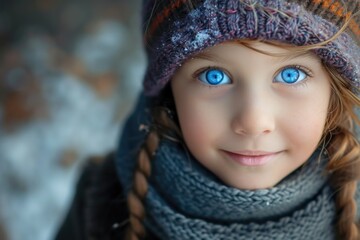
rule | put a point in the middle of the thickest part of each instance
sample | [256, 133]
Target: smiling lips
[252, 158]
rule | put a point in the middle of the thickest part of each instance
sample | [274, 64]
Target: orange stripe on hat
[354, 28]
[336, 8]
[161, 16]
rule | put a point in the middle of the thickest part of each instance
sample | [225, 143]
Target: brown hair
[344, 153]
[164, 126]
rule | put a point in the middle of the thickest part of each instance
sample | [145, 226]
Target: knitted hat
[174, 30]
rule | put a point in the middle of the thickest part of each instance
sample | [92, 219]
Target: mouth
[251, 158]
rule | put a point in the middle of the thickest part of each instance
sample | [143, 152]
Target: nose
[254, 116]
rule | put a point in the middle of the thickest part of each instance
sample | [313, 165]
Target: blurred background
[69, 74]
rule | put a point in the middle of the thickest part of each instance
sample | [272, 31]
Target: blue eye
[214, 77]
[290, 75]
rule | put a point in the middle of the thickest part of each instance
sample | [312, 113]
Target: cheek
[305, 127]
[193, 122]
[200, 125]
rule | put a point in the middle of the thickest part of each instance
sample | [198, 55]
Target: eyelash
[197, 73]
[306, 70]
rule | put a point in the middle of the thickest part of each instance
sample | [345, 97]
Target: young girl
[245, 129]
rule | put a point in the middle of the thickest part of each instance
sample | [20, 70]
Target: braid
[164, 126]
[136, 196]
[344, 168]
[344, 152]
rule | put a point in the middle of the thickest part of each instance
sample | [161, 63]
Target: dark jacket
[99, 209]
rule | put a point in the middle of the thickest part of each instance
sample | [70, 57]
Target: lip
[251, 158]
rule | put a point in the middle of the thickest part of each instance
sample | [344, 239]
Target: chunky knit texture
[174, 31]
[186, 201]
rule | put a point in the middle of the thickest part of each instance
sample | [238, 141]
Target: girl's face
[248, 117]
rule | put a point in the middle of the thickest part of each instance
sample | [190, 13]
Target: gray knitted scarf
[185, 201]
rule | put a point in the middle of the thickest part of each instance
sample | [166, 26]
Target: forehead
[274, 50]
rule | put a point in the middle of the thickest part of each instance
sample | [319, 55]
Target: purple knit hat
[174, 30]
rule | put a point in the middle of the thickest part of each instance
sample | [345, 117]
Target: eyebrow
[208, 56]
[282, 58]
[299, 55]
